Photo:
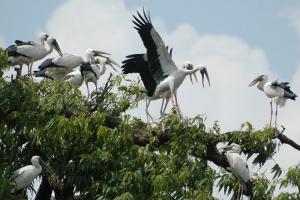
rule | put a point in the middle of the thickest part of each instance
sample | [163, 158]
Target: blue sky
[262, 24]
[237, 40]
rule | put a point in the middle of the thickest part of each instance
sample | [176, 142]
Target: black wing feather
[144, 28]
[48, 63]
[288, 93]
[136, 63]
[12, 51]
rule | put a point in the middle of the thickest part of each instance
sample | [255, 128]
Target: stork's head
[91, 54]
[43, 36]
[36, 161]
[187, 65]
[260, 78]
[53, 43]
[232, 148]
[203, 71]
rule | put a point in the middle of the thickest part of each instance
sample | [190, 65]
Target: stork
[98, 69]
[29, 52]
[138, 63]
[239, 169]
[76, 77]
[165, 76]
[278, 92]
[56, 68]
[19, 61]
[24, 176]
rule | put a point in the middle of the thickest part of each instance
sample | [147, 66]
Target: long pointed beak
[56, 47]
[257, 79]
[203, 71]
[44, 165]
[195, 76]
[191, 78]
[100, 53]
[114, 62]
[113, 67]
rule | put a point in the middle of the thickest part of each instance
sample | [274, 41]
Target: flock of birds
[160, 76]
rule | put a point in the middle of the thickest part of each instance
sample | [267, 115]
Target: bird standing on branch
[29, 52]
[278, 92]
[162, 75]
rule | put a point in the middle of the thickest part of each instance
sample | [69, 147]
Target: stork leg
[30, 69]
[167, 101]
[271, 104]
[177, 106]
[21, 69]
[276, 112]
[96, 89]
[162, 106]
[147, 111]
[88, 90]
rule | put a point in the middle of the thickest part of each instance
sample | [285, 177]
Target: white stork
[98, 69]
[56, 68]
[76, 77]
[24, 176]
[138, 63]
[278, 92]
[239, 168]
[19, 60]
[29, 52]
[162, 74]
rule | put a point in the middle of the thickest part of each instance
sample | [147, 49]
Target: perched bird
[29, 52]
[98, 69]
[56, 68]
[24, 176]
[76, 77]
[278, 92]
[162, 74]
[239, 169]
[138, 63]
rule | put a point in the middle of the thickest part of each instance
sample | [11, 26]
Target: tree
[97, 151]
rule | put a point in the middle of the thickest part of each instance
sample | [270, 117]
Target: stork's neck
[41, 41]
[261, 84]
[192, 71]
[102, 69]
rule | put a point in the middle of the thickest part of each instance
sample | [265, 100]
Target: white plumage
[98, 69]
[278, 92]
[239, 168]
[24, 176]
[160, 74]
[29, 52]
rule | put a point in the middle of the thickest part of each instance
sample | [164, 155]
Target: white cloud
[231, 62]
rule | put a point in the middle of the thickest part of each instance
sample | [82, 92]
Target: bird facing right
[278, 92]
[24, 176]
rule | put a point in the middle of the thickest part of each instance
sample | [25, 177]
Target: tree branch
[285, 140]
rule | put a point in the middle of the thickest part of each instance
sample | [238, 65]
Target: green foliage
[3, 61]
[90, 149]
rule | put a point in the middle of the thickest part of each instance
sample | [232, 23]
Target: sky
[236, 40]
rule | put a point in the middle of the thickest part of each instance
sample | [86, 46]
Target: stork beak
[113, 67]
[203, 71]
[44, 165]
[195, 76]
[114, 62]
[259, 78]
[191, 78]
[100, 53]
[56, 47]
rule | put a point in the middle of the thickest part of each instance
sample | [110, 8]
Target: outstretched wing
[160, 62]
[138, 63]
